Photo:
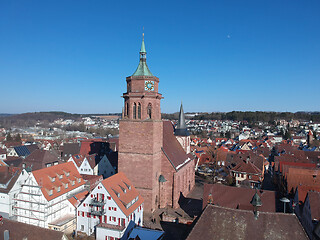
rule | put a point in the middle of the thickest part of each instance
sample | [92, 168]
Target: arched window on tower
[134, 111]
[149, 111]
[127, 109]
[139, 110]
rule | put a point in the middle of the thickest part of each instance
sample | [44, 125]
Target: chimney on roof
[256, 202]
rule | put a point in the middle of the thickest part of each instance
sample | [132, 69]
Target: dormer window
[67, 174]
[50, 192]
[73, 182]
[60, 176]
[59, 189]
[79, 180]
[66, 185]
[53, 179]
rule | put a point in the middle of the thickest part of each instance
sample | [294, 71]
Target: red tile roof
[172, 148]
[122, 192]
[300, 176]
[238, 197]
[62, 174]
[247, 167]
[77, 199]
[218, 222]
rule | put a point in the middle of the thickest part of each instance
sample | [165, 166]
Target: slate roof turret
[181, 129]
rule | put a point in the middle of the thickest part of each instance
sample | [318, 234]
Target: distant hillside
[5, 114]
[30, 119]
[252, 117]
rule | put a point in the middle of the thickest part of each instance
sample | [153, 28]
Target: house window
[82, 227]
[109, 198]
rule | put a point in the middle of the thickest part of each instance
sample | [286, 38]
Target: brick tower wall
[140, 145]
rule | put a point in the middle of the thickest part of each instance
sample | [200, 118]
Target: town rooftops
[58, 180]
[123, 192]
[40, 158]
[78, 159]
[218, 222]
[246, 167]
[25, 150]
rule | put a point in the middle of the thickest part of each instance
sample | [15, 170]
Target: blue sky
[73, 56]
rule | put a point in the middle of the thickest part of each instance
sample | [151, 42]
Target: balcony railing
[97, 213]
[96, 202]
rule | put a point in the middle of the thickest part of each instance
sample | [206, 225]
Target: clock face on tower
[149, 85]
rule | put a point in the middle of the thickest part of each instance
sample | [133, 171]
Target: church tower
[141, 133]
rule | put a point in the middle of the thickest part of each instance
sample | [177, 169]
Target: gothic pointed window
[149, 111]
[134, 110]
[127, 109]
[139, 110]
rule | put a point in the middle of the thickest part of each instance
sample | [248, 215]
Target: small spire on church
[181, 129]
[143, 47]
[142, 69]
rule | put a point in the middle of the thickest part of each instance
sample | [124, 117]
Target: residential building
[111, 205]
[43, 198]
[39, 159]
[11, 180]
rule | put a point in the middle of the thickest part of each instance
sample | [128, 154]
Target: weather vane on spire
[143, 33]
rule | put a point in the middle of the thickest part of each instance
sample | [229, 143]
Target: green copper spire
[142, 69]
[143, 47]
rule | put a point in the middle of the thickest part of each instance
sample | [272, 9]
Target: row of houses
[51, 198]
